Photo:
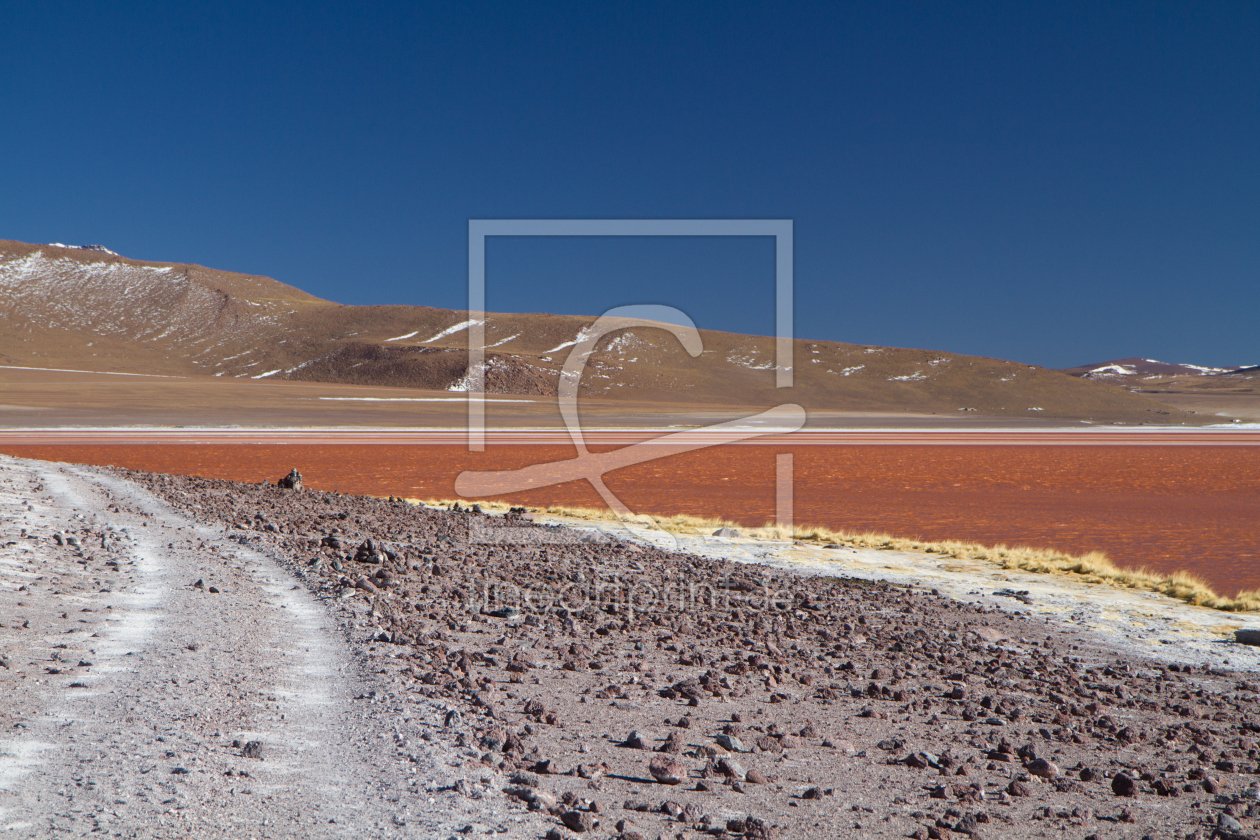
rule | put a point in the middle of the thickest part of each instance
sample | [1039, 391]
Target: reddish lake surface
[1164, 507]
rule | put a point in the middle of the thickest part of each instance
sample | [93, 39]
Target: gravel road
[161, 679]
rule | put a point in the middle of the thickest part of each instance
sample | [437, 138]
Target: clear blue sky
[1056, 183]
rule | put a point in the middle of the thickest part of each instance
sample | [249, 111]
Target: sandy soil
[1243, 407]
[768, 703]
[34, 399]
[143, 653]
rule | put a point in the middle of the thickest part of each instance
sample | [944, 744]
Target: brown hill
[94, 310]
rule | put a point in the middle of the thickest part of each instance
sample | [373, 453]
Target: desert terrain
[225, 636]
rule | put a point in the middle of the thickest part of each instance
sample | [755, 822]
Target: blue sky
[1055, 183]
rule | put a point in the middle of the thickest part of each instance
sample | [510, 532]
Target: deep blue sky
[1055, 183]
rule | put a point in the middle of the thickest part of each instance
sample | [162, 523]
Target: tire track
[145, 736]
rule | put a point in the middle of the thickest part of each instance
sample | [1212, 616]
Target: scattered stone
[1043, 768]
[1228, 824]
[526, 779]
[667, 770]
[1123, 785]
[731, 768]
[252, 749]
[755, 829]
[1247, 637]
[635, 741]
[673, 743]
[730, 742]
[579, 822]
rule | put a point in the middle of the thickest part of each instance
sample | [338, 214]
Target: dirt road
[161, 679]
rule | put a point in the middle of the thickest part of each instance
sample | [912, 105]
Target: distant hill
[1144, 367]
[88, 308]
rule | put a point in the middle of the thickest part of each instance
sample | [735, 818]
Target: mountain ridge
[91, 309]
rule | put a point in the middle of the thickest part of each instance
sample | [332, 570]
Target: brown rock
[667, 770]
[1044, 769]
[768, 743]
[756, 777]
[673, 743]
[578, 821]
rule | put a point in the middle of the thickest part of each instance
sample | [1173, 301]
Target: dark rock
[579, 822]
[1123, 785]
[1247, 637]
[292, 481]
[252, 749]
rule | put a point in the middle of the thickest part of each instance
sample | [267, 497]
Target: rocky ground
[617, 690]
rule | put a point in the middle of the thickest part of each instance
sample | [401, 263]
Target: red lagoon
[1163, 507]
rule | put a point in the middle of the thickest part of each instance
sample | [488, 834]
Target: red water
[1163, 507]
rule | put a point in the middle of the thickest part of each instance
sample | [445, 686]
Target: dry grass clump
[1092, 567]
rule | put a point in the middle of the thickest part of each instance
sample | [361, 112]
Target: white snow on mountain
[452, 330]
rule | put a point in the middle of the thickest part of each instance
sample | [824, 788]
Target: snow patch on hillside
[582, 335]
[452, 330]
[99, 248]
[503, 341]
[748, 360]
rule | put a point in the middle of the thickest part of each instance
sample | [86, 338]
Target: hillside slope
[94, 310]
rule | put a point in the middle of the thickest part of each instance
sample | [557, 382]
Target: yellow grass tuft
[1092, 567]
